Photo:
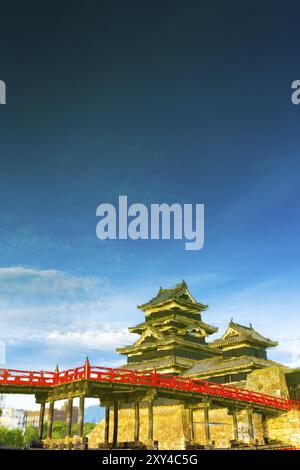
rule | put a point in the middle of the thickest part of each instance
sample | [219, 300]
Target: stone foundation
[65, 443]
[168, 426]
[171, 419]
[270, 380]
[285, 428]
[171, 427]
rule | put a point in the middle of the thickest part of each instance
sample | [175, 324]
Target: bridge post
[50, 419]
[106, 430]
[69, 417]
[264, 427]
[137, 421]
[206, 424]
[235, 425]
[191, 423]
[116, 422]
[41, 421]
[81, 416]
[250, 424]
[87, 368]
[150, 420]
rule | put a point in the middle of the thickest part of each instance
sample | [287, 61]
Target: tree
[87, 427]
[30, 434]
[58, 430]
[11, 437]
[17, 438]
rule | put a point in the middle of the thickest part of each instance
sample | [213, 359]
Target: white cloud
[36, 283]
[273, 309]
[50, 310]
[51, 315]
[111, 336]
[289, 345]
[15, 271]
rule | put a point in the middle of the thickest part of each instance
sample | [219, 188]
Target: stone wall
[167, 426]
[171, 427]
[285, 428]
[270, 380]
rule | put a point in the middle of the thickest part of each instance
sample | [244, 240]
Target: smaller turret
[239, 340]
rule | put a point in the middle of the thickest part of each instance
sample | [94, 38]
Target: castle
[173, 340]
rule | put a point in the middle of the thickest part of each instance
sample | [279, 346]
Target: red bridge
[116, 386]
[12, 378]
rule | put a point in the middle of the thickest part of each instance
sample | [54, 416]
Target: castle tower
[243, 351]
[240, 340]
[172, 337]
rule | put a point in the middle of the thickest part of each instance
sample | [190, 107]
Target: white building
[13, 419]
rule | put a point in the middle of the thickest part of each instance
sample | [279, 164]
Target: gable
[148, 336]
[186, 296]
[230, 333]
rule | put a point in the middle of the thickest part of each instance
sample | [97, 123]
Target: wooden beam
[106, 429]
[137, 421]
[206, 424]
[116, 421]
[50, 419]
[41, 421]
[81, 416]
[235, 425]
[264, 427]
[191, 423]
[69, 417]
[250, 424]
[150, 420]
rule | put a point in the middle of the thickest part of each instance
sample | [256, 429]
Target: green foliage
[30, 434]
[11, 437]
[18, 438]
[58, 430]
[87, 427]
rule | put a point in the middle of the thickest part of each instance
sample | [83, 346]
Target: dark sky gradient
[163, 101]
[169, 101]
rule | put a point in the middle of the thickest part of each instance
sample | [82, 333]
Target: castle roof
[167, 362]
[179, 293]
[154, 340]
[218, 366]
[174, 319]
[237, 333]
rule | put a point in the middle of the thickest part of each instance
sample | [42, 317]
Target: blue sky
[178, 102]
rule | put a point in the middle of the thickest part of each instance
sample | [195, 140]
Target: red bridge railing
[151, 379]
